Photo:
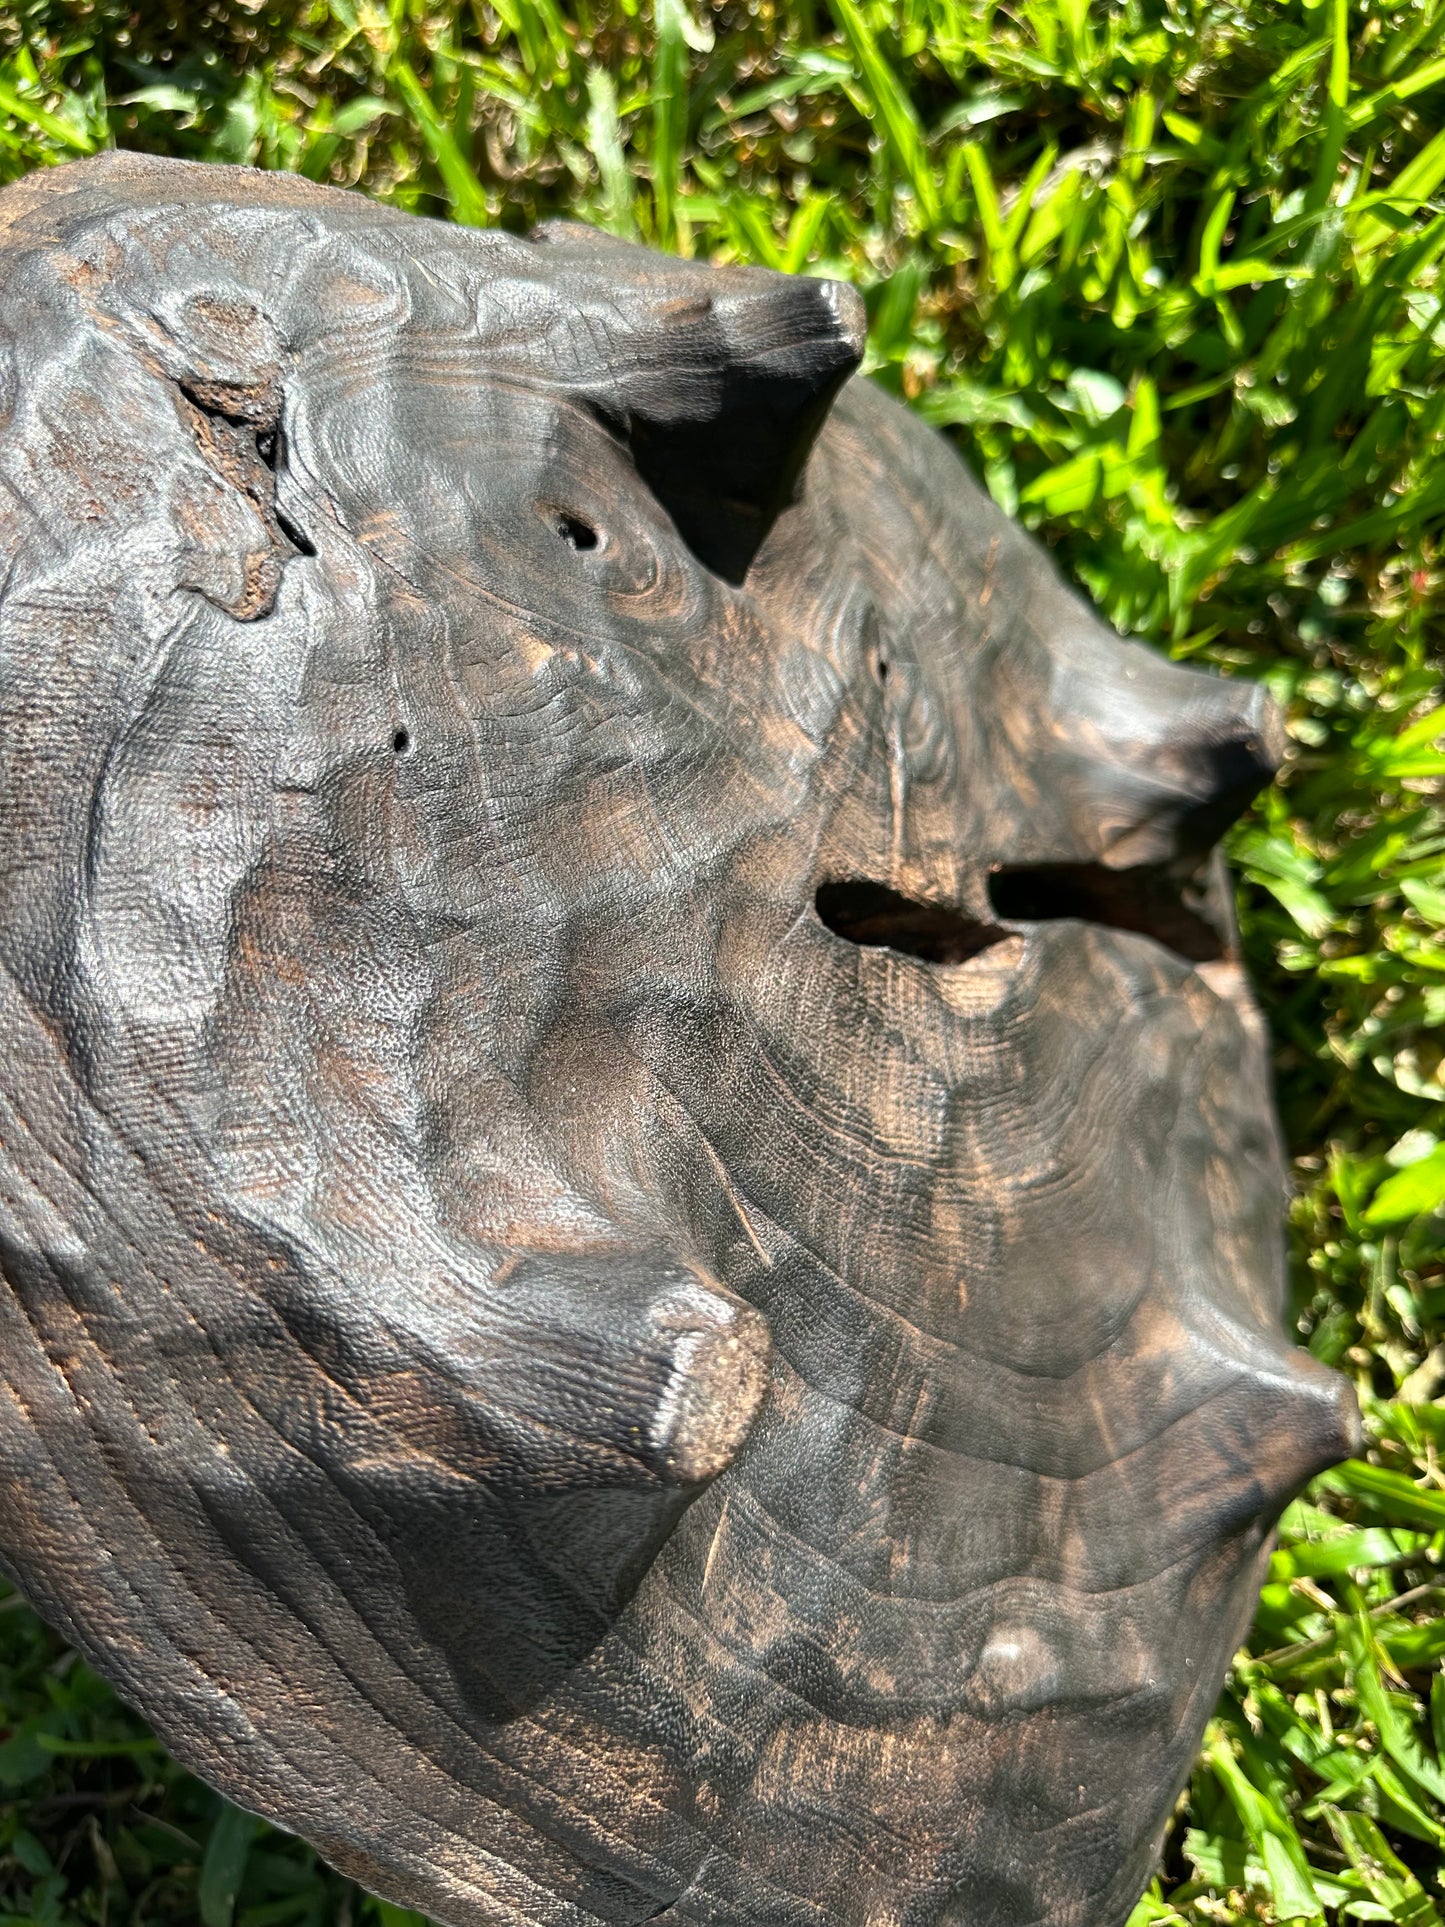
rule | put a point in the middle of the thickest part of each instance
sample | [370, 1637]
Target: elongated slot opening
[877, 917]
[1148, 900]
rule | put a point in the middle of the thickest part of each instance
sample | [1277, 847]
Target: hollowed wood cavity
[1148, 900]
[873, 915]
[576, 533]
[239, 433]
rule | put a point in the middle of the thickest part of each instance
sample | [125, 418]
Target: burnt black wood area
[639, 1211]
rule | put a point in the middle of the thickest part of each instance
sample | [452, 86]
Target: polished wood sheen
[639, 1210]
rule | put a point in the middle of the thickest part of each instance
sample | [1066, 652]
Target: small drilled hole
[576, 533]
[401, 742]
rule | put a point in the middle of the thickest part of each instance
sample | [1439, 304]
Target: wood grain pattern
[639, 1211]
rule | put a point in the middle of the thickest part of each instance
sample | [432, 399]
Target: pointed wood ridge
[639, 1212]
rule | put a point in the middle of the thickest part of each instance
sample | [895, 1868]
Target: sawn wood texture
[639, 1211]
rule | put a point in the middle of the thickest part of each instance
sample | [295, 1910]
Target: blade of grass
[897, 118]
[465, 193]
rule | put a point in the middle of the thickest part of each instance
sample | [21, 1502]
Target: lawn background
[1169, 274]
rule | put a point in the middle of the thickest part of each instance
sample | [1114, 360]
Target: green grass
[1170, 275]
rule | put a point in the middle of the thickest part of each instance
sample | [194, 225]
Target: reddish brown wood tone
[639, 1212]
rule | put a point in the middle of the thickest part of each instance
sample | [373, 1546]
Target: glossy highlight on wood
[639, 1209]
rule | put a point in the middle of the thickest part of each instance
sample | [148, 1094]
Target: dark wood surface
[638, 1202]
